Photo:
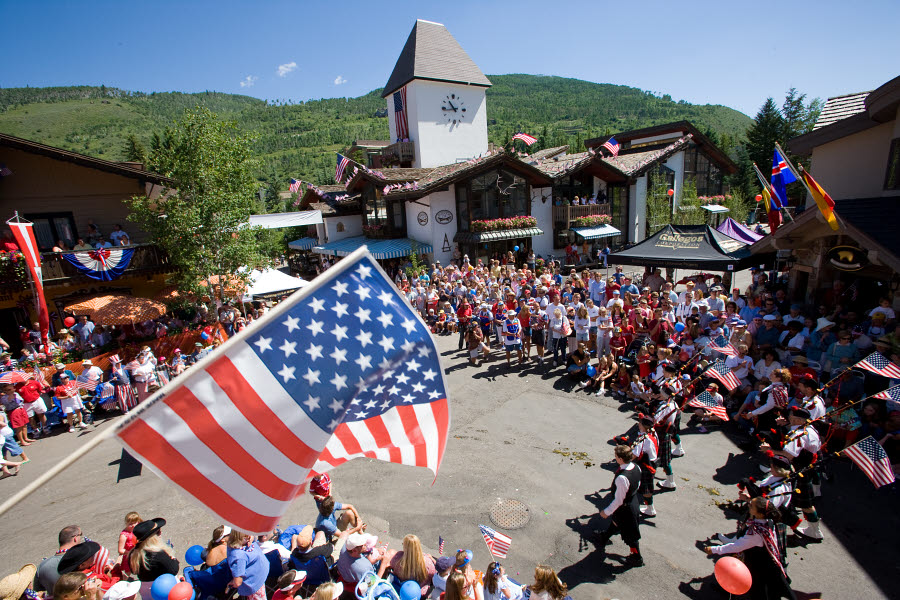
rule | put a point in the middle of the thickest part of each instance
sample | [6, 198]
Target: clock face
[454, 109]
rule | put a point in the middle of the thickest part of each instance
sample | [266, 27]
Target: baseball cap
[355, 540]
[443, 563]
[769, 318]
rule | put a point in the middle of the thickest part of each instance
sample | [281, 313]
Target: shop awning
[289, 219]
[305, 243]
[477, 237]
[380, 249]
[594, 233]
[715, 208]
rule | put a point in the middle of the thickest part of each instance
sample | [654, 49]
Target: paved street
[519, 434]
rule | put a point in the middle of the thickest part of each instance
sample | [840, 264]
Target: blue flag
[781, 176]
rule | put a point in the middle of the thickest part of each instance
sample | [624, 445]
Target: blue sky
[725, 52]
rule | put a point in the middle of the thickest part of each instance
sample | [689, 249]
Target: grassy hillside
[299, 140]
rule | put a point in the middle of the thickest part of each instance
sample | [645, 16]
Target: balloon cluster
[167, 587]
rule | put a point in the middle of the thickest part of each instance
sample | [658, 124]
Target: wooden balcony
[568, 214]
[399, 153]
[147, 259]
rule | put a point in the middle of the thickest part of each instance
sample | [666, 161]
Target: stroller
[629, 359]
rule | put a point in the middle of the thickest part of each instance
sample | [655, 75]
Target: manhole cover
[510, 514]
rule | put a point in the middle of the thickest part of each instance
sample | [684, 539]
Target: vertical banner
[24, 235]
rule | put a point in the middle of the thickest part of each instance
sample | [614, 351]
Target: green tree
[201, 220]
[799, 118]
[767, 129]
[134, 150]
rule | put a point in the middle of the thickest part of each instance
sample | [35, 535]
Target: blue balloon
[591, 370]
[162, 586]
[679, 327]
[515, 248]
[194, 555]
[410, 590]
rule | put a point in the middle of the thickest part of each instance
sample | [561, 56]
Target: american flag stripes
[706, 401]
[343, 369]
[720, 344]
[440, 545]
[528, 139]
[873, 460]
[401, 121]
[295, 185]
[892, 393]
[612, 145]
[342, 163]
[718, 370]
[878, 364]
[496, 542]
[89, 385]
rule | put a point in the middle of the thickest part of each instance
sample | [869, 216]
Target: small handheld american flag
[440, 545]
[873, 460]
[528, 139]
[892, 393]
[720, 344]
[878, 364]
[612, 145]
[497, 543]
[706, 401]
[718, 370]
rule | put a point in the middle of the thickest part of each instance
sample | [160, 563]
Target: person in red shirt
[289, 584]
[617, 343]
[70, 402]
[463, 313]
[35, 406]
[8, 242]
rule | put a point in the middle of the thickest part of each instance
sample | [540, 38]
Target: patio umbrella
[126, 310]
[14, 377]
[89, 305]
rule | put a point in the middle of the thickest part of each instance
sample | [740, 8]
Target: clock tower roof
[432, 53]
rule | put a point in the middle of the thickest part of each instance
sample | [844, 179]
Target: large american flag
[295, 185]
[720, 344]
[528, 139]
[496, 542]
[718, 370]
[342, 369]
[873, 460]
[612, 145]
[878, 364]
[342, 163]
[400, 119]
[706, 401]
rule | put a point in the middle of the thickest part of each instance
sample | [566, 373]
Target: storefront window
[617, 195]
[494, 195]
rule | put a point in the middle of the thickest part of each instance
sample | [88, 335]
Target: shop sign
[847, 258]
[422, 218]
[443, 217]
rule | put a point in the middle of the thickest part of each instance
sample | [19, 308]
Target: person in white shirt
[715, 301]
[740, 365]
[616, 299]
[765, 366]
[597, 289]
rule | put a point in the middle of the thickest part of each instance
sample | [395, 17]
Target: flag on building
[102, 264]
[781, 176]
[707, 402]
[612, 145]
[873, 460]
[401, 121]
[343, 369]
[23, 231]
[720, 344]
[440, 545]
[878, 364]
[342, 163]
[718, 370]
[496, 542]
[528, 139]
[823, 200]
[295, 185]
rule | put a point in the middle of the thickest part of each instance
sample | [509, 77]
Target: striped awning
[477, 237]
[305, 243]
[380, 249]
[715, 208]
[594, 233]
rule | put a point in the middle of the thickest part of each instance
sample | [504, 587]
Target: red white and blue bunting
[104, 264]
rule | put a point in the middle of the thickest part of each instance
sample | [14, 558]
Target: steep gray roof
[841, 107]
[432, 53]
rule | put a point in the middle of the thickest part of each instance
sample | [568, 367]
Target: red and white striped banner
[24, 234]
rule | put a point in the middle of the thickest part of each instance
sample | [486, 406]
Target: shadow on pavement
[129, 466]
[598, 566]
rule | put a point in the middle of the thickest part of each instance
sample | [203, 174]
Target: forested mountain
[299, 139]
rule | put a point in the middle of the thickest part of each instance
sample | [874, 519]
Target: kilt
[803, 492]
[647, 478]
[665, 448]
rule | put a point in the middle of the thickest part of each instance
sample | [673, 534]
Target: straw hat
[13, 586]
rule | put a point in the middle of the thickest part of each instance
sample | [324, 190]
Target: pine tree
[762, 135]
[134, 150]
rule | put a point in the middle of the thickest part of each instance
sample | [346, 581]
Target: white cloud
[339, 80]
[249, 80]
[286, 68]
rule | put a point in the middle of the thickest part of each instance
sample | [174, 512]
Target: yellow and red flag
[823, 200]
[773, 214]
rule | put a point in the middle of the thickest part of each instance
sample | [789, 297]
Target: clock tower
[436, 98]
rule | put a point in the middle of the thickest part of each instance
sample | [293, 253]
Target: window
[617, 196]
[705, 174]
[892, 177]
[340, 227]
[50, 227]
[494, 195]
[390, 214]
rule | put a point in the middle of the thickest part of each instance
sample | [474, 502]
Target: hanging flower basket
[13, 267]
[504, 224]
[593, 221]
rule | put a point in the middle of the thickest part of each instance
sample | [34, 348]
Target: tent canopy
[289, 219]
[736, 231]
[272, 282]
[687, 247]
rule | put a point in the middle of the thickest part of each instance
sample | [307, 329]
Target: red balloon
[183, 591]
[69, 321]
[732, 575]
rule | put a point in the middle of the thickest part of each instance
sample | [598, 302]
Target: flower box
[504, 224]
[593, 221]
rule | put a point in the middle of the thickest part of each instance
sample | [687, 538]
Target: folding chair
[276, 569]
[317, 572]
[209, 582]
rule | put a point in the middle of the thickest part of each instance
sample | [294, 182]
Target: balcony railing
[567, 214]
[399, 153]
[147, 259]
